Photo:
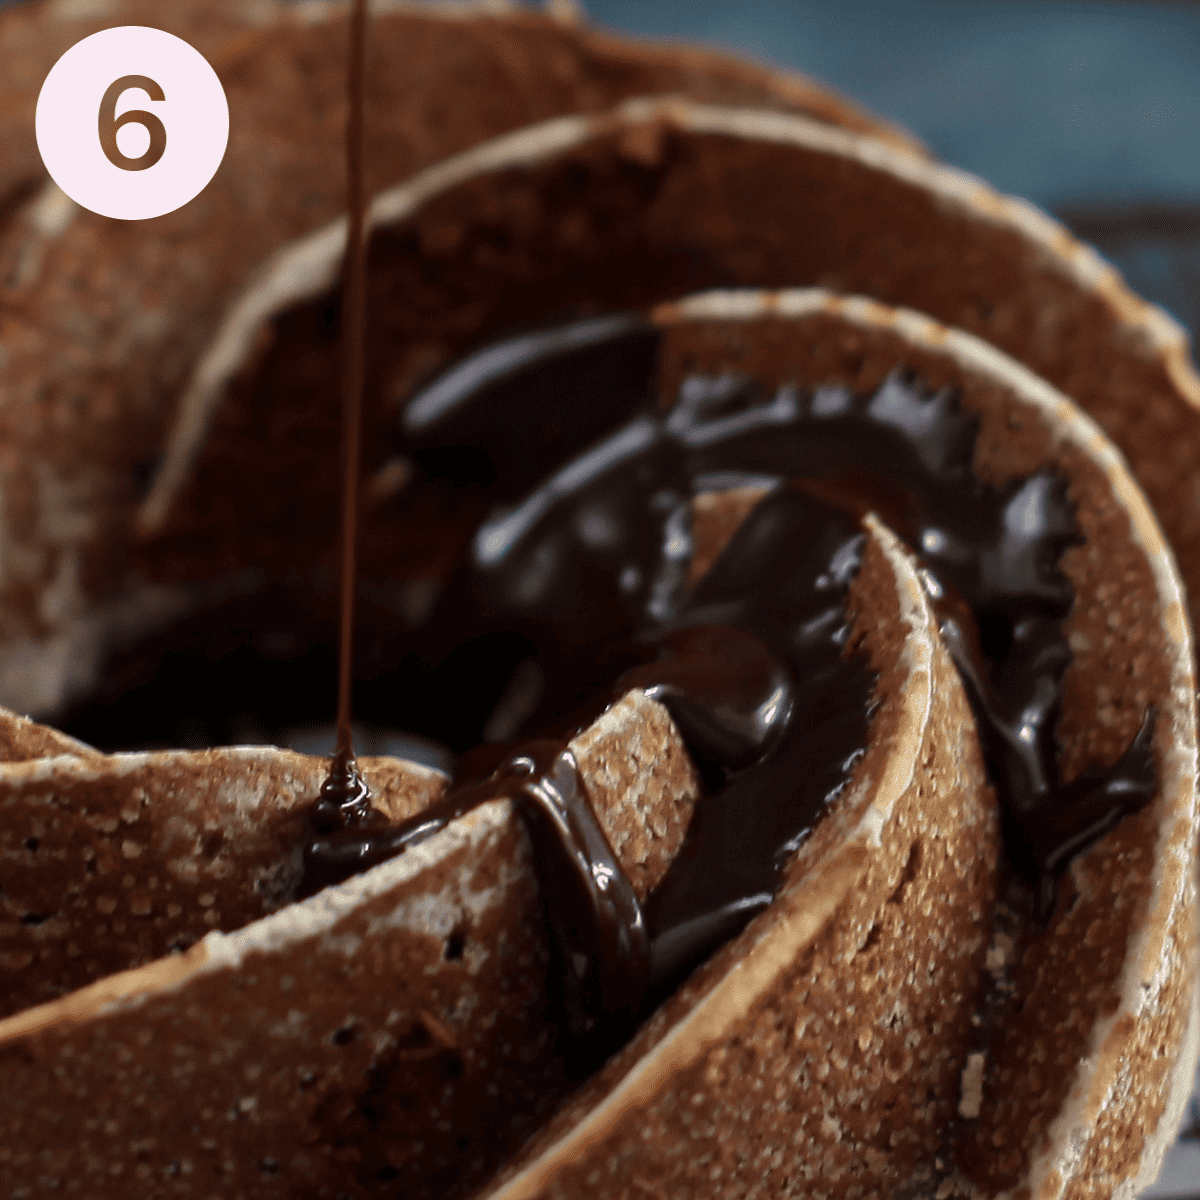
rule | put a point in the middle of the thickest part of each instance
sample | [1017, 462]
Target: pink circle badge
[132, 122]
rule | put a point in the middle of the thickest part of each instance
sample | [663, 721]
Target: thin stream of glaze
[344, 785]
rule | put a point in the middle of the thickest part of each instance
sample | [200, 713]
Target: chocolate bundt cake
[815, 684]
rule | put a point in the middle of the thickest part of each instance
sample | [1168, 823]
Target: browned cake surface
[616, 225]
[433, 989]
[874, 1018]
[102, 320]
[402, 1044]
[631, 219]
[1066, 975]
[111, 863]
[264, 1077]
[22, 739]
[847, 1069]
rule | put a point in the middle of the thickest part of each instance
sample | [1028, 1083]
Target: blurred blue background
[1056, 100]
[1090, 108]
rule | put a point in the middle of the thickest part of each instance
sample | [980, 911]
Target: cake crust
[1077, 1091]
[866, 975]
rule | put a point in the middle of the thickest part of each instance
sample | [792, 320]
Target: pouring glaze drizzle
[585, 561]
[344, 791]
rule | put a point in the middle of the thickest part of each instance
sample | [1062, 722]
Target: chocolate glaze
[345, 799]
[587, 570]
[599, 935]
[733, 676]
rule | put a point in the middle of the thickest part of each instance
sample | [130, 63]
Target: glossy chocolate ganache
[582, 582]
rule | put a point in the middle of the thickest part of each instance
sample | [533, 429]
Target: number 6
[109, 123]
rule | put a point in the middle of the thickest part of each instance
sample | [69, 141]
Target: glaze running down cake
[928, 989]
